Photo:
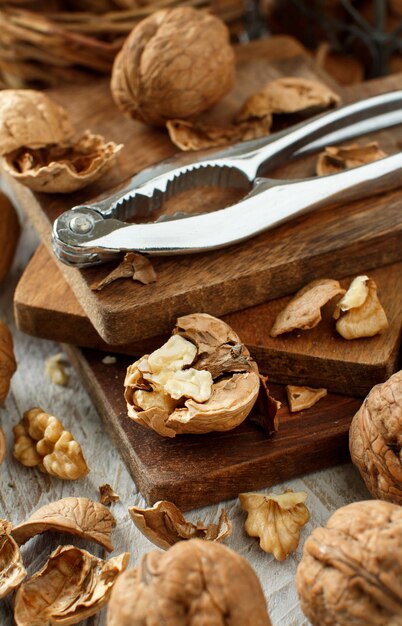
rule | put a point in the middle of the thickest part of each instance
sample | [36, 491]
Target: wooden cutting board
[339, 242]
[195, 470]
[45, 306]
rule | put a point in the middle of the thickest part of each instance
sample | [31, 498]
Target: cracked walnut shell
[175, 64]
[195, 582]
[276, 520]
[8, 363]
[359, 313]
[351, 571]
[336, 159]
[62, 168]
[76, 516]
[12, 570]
[164, 524]
[70, 587]
[203, 379]
[375, 440]
[40, 440]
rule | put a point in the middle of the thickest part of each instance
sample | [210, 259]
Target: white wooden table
[22, 490]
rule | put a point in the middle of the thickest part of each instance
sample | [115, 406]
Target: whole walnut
[375, 440]
[194, 583]
[174, 64]
[351, 571]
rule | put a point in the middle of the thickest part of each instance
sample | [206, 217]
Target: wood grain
[45, 306]
[194, 470]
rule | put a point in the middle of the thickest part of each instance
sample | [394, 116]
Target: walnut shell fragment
[76, 516]
[175, 64]
[62, 168]
[195, 582]
[375, 440]
[8, 364]
[359, 313]
[41, 441]
[188, 135]
[351, 571]
[289, 94]
[31, 119]
[336, 159]
[304, 309]
[203, 379]
[164, 525]
[70, 587]
[135, 266]
[107, 495]
[276, 520]
[9, 234]
[12, 570]
[301, 398]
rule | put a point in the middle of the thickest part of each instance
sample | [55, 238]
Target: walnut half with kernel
[359, 313]
[41, 441]
[202, 379]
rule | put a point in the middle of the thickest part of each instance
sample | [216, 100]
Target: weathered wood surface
[23, 490]
[45, 306]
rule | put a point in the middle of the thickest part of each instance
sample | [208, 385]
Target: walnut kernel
[359, 313]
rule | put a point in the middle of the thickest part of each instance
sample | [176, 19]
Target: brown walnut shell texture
[175, 64]
[193, 583]
[12, 570]
[9, 234]
[8, 364]
[375, 440]
[31, 119]
[351, 571]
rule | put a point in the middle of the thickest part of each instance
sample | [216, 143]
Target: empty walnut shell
[62, 168]
[175, 64]
[195, 582]
[30, 118]
[351, 571]
[216, 352]
[375, 440]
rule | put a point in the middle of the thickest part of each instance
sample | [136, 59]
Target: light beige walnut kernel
[203, 379]
[70, 587]
[12, 570]
[76, 516]
[276, 520]
[359, 313]
[375, 440]
[40, 440]
[8, 364]
[195, 582]
[304, 309]
[175, 64]
[351, 571]
[164, 524]
[55, 369]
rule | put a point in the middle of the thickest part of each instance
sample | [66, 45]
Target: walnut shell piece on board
[175, 64]
[71, 586]
[12, 570]
[62, 168]
[375, 440]
[31, 119]
[9, 234]
[8, 364]
[336, 159]
[76, 516]
[351, 571]
[222, 387]
[164, 524]
[359, 313]
[195, 582]
[303, 311]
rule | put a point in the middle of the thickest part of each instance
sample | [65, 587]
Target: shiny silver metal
[97, 232]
